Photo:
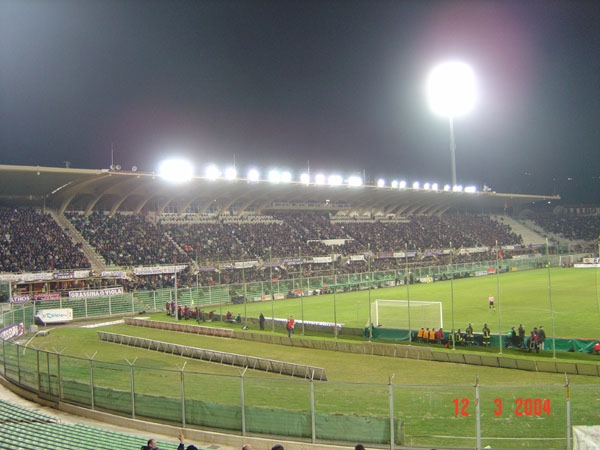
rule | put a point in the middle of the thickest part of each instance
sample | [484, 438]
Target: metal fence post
[477, 415]
[39, 381]
[313, 422]
[391, 401]
[243, 401]
[182, 378]
[91, 359]
[132, 386]
[60, 387]
[568, 400]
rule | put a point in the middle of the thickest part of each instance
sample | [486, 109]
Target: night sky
[337, 86]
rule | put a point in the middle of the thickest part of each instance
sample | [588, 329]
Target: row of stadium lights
[181, 171]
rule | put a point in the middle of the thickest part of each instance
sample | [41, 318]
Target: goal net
[566, 260]
[405, 314]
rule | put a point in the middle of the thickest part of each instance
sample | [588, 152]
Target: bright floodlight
[286, 177]
[434, 187]
[320, 179]
[334, 180]
[381, 183]
[427, 186]
[395, 183]
[403, 184]
[274, 176]
[355, 181]
[451, 89]
[231, 173]
[416, 185]
[176, 170]
[253, 175]
[212, 172]
[305, 178]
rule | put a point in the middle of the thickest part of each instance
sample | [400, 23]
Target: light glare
[334, 180]
[231, 173]
[212, 172]
[253, 175]
[451, 89]
[176, 170]
[355, 181]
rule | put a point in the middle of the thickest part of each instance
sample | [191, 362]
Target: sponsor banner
[528, 256]
[82, 273]
[271, 264]
[321, 259]
[586, 266]
[405, 254]
[591, 260]
[310, 322]
[106, 292]
[16, 330]
[113, 274]
[55, 315]
[331, 241]
[481, 273]
[384, 255]
[30, 297]
[468, 251]
[157, 270]
[293, 261]
[45, 276]
[10, 277]
[244, 264]
[357, 257]
[63, 275]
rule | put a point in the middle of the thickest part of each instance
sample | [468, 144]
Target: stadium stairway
[530, 237]
[97, 262]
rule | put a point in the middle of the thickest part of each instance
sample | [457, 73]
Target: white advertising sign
[55, 315]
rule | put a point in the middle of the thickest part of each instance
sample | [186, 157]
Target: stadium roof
[65, 189]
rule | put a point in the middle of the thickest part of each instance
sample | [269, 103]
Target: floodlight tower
[451, 90]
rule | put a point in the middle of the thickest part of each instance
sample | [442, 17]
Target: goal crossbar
[407, 314]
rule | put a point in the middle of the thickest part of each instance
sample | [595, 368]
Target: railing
[205, 296]
[469, 416]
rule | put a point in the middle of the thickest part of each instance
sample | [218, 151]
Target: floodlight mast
[452, 150]
[451, 91]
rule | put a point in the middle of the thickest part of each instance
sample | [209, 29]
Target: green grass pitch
[429, 396]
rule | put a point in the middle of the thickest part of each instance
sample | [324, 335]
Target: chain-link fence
[392, 414]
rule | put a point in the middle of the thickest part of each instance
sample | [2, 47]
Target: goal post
[566, 261]
[406, 314]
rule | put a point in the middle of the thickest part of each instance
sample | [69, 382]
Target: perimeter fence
[215, 297]
[308, 410]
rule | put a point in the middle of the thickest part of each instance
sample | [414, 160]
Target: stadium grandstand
[67, 233]
[89, 225]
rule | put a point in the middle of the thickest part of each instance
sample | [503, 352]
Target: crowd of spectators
[31, 240]
[570, 226]
[127, 239]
